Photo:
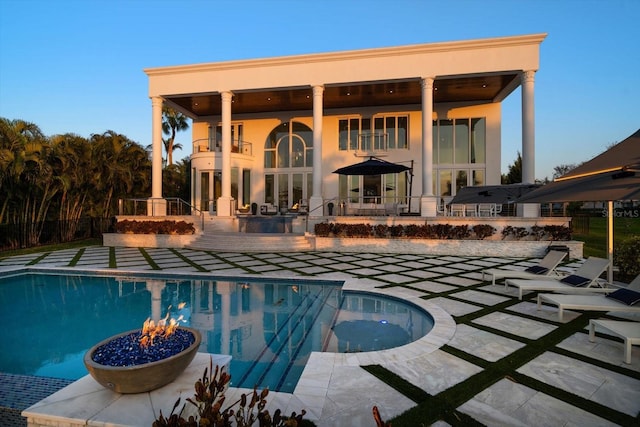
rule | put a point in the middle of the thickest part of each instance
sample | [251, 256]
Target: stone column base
[226, 206]
[156, 207]
[315, 206]
[428, 206]
[528, 210]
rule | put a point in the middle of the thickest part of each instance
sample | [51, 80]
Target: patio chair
[457, 209]
[546, 267]
[471, 209]
[582, 279]
[486, 209]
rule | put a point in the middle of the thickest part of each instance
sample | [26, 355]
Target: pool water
[49, 321]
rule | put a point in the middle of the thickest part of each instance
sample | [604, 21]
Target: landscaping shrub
[483, 230]
[396, 230]
[558, 232]
[209, 399]
[537, 232]
[626, 256]
[322, 229]
[460, 232]
[381, 230]
[154, 227]
[517, 232]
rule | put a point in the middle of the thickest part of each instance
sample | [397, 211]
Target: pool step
[252, 242]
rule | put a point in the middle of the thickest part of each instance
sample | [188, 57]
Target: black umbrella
[373, 166]
[499, 194]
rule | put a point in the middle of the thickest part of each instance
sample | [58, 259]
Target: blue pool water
[49, 321]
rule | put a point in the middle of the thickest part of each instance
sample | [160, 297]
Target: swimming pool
[268, 327]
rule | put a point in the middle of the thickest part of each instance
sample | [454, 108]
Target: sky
[76, 66]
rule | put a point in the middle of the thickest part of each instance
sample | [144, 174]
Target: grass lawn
[595, 242]
[51, 248]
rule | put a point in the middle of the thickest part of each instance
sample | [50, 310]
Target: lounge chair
[628, 331]
[582, 279]
[626, 300]
[545, 267]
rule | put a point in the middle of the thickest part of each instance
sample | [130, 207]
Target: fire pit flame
[164, 328]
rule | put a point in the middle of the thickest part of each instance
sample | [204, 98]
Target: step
[252, 242]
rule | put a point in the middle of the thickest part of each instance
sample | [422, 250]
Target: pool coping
[311, 391]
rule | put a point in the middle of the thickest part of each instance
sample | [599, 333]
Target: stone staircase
[252, 242]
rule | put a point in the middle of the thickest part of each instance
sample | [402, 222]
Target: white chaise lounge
[628, 331]
[583, 279]
[618, 300]
[546, 267]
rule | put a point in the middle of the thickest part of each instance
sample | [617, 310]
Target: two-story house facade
[272, 131]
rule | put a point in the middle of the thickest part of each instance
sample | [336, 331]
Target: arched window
[288, 163]
[289, 145]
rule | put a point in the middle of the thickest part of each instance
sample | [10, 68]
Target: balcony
[207, 145]
[374, 143]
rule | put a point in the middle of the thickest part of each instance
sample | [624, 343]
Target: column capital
[156, 100]
[528, 76]
[317, 89]
[226, 95]
[427, 82]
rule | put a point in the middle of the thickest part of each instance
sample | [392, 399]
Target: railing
[174, 207]
[372, 143]
[206, 145]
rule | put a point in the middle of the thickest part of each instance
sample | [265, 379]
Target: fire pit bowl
[139, 378]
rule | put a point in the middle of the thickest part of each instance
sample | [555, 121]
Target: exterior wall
[256, 130]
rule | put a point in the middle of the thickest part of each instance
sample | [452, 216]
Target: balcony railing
[206, 145]
[372, 143]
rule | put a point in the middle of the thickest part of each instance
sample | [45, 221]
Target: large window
[288, 163]
[378, 134]
[459, 141]
[459, 154]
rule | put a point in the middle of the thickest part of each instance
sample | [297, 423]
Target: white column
[528, 128]
[315, 201]
[528, 141]
[155, 287]
[428, 202]
[225, 289]
[224, 205]
[156, 206]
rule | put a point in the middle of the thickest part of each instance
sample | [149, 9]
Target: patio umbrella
[499, 194]
[373, 166]
[611, 176]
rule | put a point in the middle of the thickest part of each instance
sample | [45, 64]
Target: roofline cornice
[352, 54]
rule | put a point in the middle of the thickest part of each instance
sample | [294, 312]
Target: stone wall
[496, 248]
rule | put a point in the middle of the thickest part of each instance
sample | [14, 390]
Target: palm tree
[121, 169]
[74, 173]
[172, 122]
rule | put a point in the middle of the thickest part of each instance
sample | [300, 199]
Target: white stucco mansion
[272, 131]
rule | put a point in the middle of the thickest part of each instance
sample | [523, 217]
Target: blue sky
[76, 66]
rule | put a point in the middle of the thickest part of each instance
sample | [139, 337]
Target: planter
[144, 377]
[481, 248]
[148, 240]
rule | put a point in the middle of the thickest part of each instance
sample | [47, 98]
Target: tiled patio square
[608, 388]
[483, 344]
[510, 404]
[455, 308]
[479, 297]
[456, 280]
[515, 325]
[433, 287]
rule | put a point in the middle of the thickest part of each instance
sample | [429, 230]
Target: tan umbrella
[611, 176]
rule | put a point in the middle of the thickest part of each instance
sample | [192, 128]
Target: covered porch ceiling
[471, 89]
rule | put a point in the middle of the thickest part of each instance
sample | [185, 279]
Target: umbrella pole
[610, 241]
